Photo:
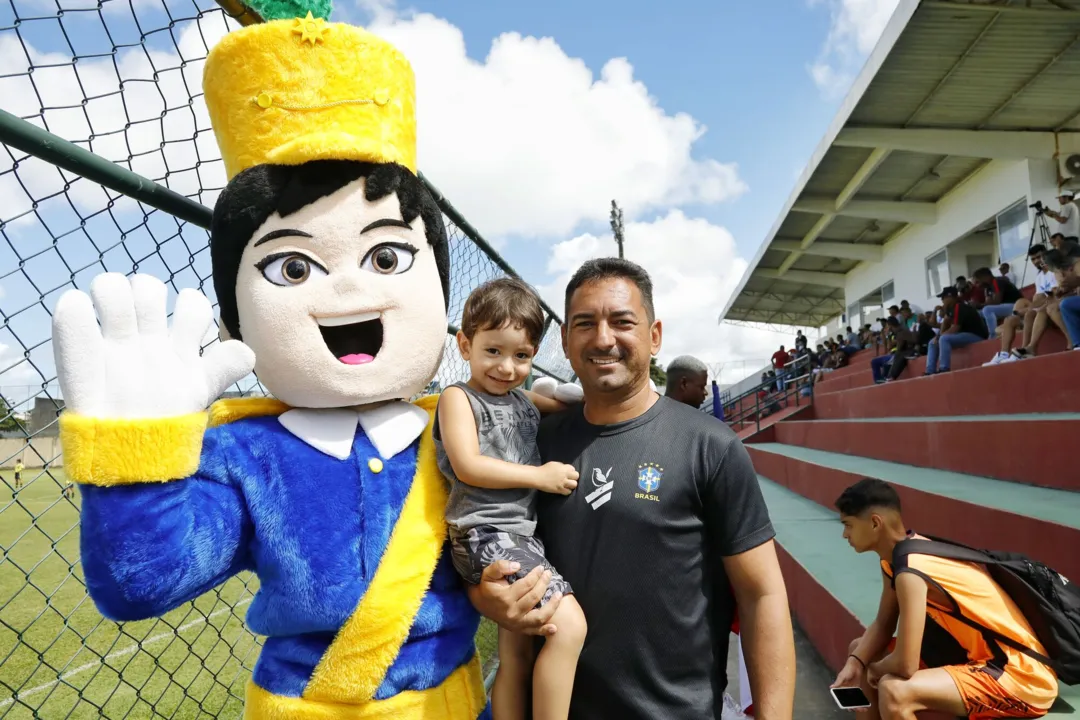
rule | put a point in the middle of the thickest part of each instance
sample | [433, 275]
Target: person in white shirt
[1068, 218]
[1030, 315]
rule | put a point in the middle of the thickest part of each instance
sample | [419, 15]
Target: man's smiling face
[342, 303]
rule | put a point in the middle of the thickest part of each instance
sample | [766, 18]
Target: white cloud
[856, 27]
[694, 266]
[529, 142]
[140, 100]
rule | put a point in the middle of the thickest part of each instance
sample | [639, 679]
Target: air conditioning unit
[1069, 166]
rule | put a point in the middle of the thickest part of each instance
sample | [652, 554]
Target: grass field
[60, 659]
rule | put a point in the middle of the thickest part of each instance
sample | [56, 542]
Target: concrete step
[833, 591]
[1039, 522]
[749, 428]
[972, 356]
[1032, 449]
[1019, 387]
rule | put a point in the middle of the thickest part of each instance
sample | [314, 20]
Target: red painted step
[972, 356]
[939, 515]
[1036, 452]
[1020, 387]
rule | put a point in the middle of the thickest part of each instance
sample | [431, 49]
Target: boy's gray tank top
[506, 428]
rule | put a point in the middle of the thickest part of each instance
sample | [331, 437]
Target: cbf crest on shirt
[331, 271]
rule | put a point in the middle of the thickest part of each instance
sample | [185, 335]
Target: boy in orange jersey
[936, 662]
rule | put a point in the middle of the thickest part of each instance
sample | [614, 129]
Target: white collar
[391, 427]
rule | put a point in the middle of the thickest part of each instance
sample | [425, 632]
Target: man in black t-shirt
[665, 532]
[1001, 297]
[961, 325]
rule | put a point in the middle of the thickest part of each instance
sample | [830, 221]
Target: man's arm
[765, 629]
[911, 599]
[738, 521]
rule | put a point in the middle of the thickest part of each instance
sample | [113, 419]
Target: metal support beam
[921, 213]
[989, 144]
[1065, 14]
[857, 181]
[807, 277]
[844, 251]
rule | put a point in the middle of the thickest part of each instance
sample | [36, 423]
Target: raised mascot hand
[134, 365]
[566, 393]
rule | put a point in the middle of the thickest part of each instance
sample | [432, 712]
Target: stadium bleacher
[981, 455]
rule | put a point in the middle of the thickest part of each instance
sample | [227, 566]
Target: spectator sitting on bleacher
[961, 325]
[1001, 296]
[1065, 264]
[1005, 271]
[902, 344]
[914, 309]
[969, 292]
[1030, 315]
[936, 662]
[853, 339]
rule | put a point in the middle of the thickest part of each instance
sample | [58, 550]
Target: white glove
[133, 366]
[567, 393]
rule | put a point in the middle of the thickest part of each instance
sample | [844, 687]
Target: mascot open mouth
[353, 339]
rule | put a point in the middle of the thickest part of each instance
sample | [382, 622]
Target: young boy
[936, 662]
[19, 467]
[485, 439]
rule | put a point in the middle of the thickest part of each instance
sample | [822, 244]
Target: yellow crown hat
[296, 88]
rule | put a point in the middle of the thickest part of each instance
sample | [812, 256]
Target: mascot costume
[331, 268]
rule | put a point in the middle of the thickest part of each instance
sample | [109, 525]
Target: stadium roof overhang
[950, 86]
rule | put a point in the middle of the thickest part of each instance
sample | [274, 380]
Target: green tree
[656, 373]
[7, 419]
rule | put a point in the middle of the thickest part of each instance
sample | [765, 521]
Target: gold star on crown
[310, 29]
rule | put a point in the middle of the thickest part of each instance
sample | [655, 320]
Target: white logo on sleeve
[603, 487]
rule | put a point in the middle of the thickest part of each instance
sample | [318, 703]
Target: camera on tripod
[1038, 206]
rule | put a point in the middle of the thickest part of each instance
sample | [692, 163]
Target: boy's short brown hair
[502, 302]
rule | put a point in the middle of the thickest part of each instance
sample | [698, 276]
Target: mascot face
[342, 302]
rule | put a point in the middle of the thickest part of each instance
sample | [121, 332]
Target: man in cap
[961, 325]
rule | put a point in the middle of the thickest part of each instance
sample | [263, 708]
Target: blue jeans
[992, 313]
[944, 345]
[1070, 313]
[878, 366]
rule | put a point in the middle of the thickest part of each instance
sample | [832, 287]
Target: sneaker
[997, 359]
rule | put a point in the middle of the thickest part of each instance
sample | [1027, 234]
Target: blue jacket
[315, 529]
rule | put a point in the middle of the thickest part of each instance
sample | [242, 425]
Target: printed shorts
[481, 546]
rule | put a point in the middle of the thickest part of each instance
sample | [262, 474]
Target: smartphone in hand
[850, 698]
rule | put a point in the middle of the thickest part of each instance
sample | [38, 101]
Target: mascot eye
[289, 269]
[389, 258]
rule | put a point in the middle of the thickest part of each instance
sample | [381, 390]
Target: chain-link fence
[121, 79]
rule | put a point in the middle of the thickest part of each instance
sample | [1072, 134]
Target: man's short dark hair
[866, 494]
[1036, 249]
[258, 192]
[1064, 258]
[609, 269]
[504, 302]
[983, 272]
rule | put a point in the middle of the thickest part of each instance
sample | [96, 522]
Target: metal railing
[796, 379]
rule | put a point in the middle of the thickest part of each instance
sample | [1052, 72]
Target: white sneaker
[997, 359]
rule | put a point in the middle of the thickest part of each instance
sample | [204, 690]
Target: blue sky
[698, 118]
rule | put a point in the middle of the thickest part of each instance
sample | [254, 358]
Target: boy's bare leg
[509, 694]
[931, 689]
[553, 678]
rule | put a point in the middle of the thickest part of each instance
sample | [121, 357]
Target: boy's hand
[558, 478]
